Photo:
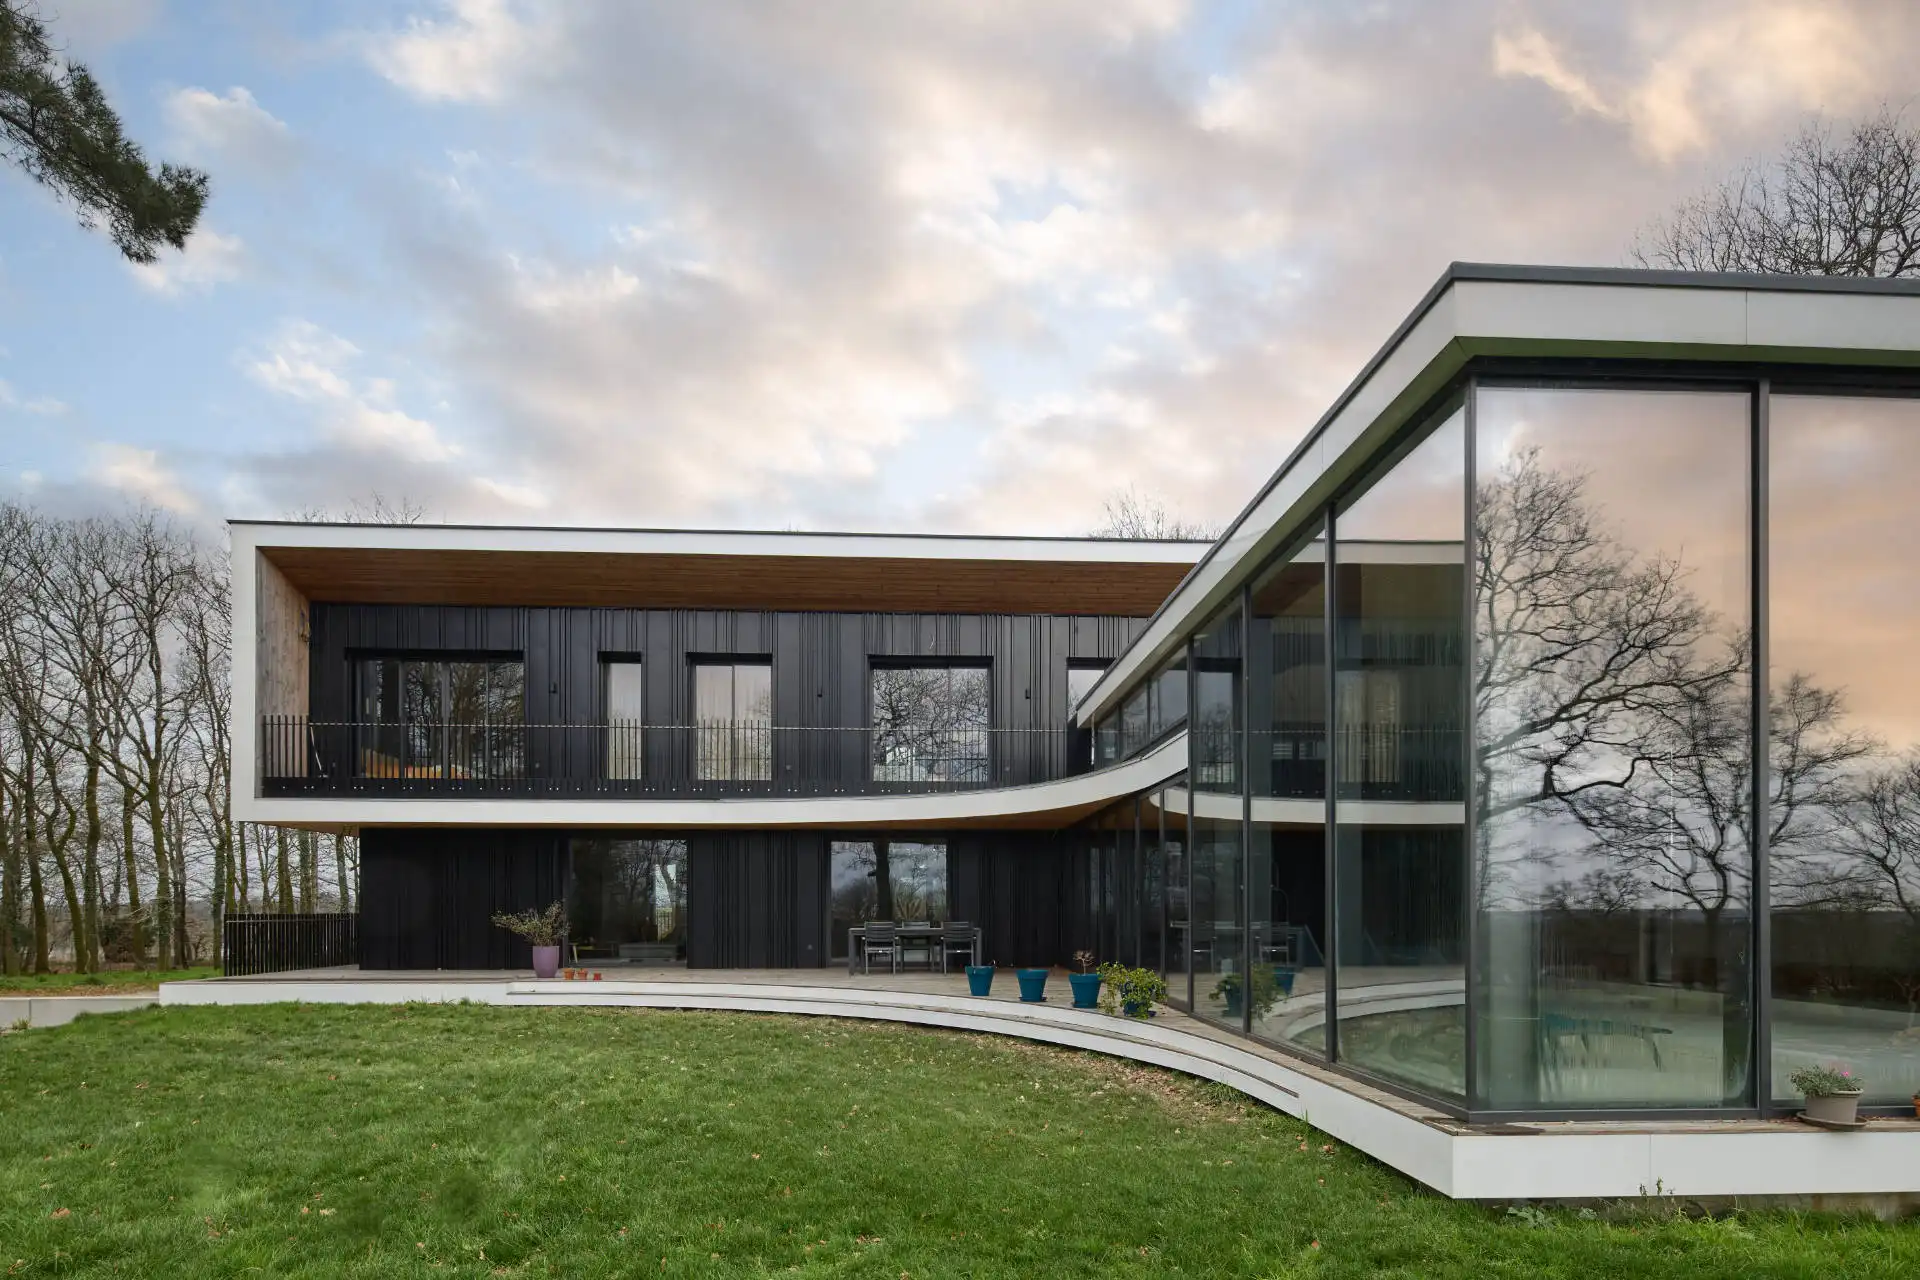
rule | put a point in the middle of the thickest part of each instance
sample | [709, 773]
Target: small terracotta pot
[1916, 1106]
[596, 975]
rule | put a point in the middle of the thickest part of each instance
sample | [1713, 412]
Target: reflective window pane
[1287, 859]
[733, 721]
[930, 724]
[1844, 826]
[1397, 739]
[627, 900]
[1611, 766]
[625, 685]
[902, 880]
[1216, 898]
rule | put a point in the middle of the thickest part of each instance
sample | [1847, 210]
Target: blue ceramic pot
[1086, 990]
[980, 979]
[1033, 985]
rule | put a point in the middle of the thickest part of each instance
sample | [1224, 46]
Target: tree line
[117, 839]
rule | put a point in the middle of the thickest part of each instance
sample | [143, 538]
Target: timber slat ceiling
[810, 583]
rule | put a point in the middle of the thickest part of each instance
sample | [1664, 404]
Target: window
[1612, 778]
[1080, 682]
[440, 718]
[733, 721]
[930, 724]
[903, 880]
[623, 677]
[627, 900]
[1399, 869]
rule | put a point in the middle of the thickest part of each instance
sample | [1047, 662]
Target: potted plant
[1033, 984]
[543, 928]
[1133, 992]
[1085, 984]
[980, 979]
[1832, 1093]
[1231, 991]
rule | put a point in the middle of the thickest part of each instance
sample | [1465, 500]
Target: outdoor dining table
[918, 934]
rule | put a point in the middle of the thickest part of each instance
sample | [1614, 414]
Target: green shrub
[1824, 1082]
[1121, 987]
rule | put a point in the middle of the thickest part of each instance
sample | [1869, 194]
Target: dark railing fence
[314, 757]
[275, 943]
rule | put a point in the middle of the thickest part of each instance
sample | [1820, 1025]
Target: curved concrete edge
[58, 1011]
[1779, 1161]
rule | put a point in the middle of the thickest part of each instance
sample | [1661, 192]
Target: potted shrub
[1085, 984]
[1231, 991]
[543, 928]
[1132, 992]
[1832, 1093]
[1033, 984]
[980, 979]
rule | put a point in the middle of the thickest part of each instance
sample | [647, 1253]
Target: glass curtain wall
[1217, 892]
[1164, 817]
[1611, 765]
[1286, 753]
[1844, 739]
[1399, 853]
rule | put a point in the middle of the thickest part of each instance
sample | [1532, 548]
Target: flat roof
[718, 569]
[1489, 309]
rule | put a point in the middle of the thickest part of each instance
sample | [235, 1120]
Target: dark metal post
[1761, 952]
[1245, 700]
[1473, 968]
[1330, 640]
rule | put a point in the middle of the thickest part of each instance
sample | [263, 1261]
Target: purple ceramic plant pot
[546, 961]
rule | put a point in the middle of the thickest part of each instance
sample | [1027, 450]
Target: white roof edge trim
[509, 538]
[1542, 313]
[1143, 772]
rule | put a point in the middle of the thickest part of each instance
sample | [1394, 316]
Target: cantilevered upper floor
[459, 665]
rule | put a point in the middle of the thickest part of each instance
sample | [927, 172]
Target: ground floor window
[627, 900]
[903, 880]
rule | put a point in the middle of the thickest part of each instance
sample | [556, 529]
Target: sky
[817, 265]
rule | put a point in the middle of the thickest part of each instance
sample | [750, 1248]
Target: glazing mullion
[1760, 1077]
[1330, 625]
[1472, 969]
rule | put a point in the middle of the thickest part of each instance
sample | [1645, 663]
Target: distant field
[112, 982]
[471, 1140]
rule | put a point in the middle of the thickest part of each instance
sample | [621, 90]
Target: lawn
[471, 1140]
[111, 982]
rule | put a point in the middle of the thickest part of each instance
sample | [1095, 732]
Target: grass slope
[477, 1141]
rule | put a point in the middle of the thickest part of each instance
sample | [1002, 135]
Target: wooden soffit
[363, 575]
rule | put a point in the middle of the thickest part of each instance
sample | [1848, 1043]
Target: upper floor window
[440, 717]
[930, 724]
[623, 682]
[1080, 682]
[733, 720]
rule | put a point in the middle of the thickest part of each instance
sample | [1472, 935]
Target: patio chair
[955, 936]
[881, 939]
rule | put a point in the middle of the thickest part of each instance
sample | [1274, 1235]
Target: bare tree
[374, 508]
[1132, 514]
[1843, 203]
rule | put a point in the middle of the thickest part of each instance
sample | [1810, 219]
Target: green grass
[470, 1140]
[111, 981]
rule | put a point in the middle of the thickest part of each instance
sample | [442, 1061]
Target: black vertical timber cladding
[427, 895]
[820, 662]
[756, 900]
[1020, 888]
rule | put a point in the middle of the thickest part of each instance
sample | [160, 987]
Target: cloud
[43, 406]
[210, 258]
[229, 128]
[139, 474]
[305, 362]
[977, 267]
[467, 56]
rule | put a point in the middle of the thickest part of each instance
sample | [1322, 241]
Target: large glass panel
[1167, 706]
[625, 683]
[930, 725]
[1134, 720]
[1080, 682]
[733, 721]
[1217, 922]
[1287, 856]
[903, 880]
[627, 900]
[1166, 814]
[1611, 761]
[440, 718]
[1399, 852]
[1844, 825]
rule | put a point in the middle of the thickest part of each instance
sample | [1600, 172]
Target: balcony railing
[302, 757]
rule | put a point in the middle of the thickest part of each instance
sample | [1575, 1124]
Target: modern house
[1541, 742]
